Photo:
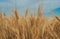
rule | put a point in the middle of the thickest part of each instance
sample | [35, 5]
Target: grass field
[29, 27]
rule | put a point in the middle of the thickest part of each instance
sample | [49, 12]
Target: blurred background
[47, 6]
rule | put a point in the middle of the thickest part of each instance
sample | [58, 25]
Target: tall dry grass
[29, 27]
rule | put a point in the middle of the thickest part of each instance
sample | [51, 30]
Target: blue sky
[21, 5]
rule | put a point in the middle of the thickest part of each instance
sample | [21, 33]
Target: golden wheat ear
[16, 14]
[0, 14]
[39, 11]
[26, 12]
